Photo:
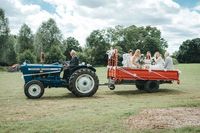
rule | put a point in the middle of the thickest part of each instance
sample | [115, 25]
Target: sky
[178, 20]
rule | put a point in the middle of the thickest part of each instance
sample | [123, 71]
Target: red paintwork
[123, 73]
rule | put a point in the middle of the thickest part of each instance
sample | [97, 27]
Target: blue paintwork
[48, 74]
[40, 72]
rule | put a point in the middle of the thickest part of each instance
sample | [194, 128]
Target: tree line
[189, 51]
[49, 40]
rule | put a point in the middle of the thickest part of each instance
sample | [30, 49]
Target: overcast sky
[178, 20]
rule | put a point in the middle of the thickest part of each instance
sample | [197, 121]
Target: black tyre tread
[140, 84]
[26, 86]
[148, 87]
[75, 75]
[140, 87]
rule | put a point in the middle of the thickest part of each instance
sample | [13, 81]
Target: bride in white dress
[135, 58]
[159, 62]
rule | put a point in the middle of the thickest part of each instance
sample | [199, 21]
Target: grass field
[59, 111]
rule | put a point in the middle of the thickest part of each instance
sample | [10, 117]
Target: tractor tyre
[84, 83]
[70, 89]
[34, 89]
[151, 86]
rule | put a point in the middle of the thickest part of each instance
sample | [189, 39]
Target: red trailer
[144, 79]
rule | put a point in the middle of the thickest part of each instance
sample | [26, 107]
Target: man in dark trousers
[73, 63]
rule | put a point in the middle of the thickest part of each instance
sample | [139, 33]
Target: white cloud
[19, 13]
[79, 17]
[197, 8]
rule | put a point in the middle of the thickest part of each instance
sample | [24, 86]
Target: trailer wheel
[140, 84]
[84, 83]
[34, 89]
[151, 86]
[140, 87]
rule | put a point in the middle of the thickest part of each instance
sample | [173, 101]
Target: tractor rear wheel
[151, 86]
[34, 89]
[84, 83]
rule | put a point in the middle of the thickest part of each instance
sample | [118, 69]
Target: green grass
[2, 69]
[59, 111]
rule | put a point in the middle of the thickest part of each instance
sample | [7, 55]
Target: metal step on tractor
[82, 80]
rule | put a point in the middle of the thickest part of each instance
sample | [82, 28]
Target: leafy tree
[189, 51]
[86, 56]
[4, 35]
[97, 47]
[54, 55]
[132, 37]
[124, 38]
[48, 35]
[26, 55]
[11, 56]
[69, 44]
[25, 39]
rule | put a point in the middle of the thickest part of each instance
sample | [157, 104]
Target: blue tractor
[82, 80]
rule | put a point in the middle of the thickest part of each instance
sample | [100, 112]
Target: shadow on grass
[159, 92]
[67, 96]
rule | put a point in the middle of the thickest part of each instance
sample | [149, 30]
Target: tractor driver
[73, 63]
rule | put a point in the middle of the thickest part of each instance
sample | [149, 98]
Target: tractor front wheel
[84, 83]
[34, 89]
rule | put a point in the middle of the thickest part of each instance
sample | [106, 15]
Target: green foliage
[132, 37]
[96, 47]
[47, 35]
[4, 35]
[11, 56]
[48, 39]
[175, 61]
[54, 55]
[26, 55]
[4, 30]
[69, 44]
[189, 51]
[83, 57]
[25, 39]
